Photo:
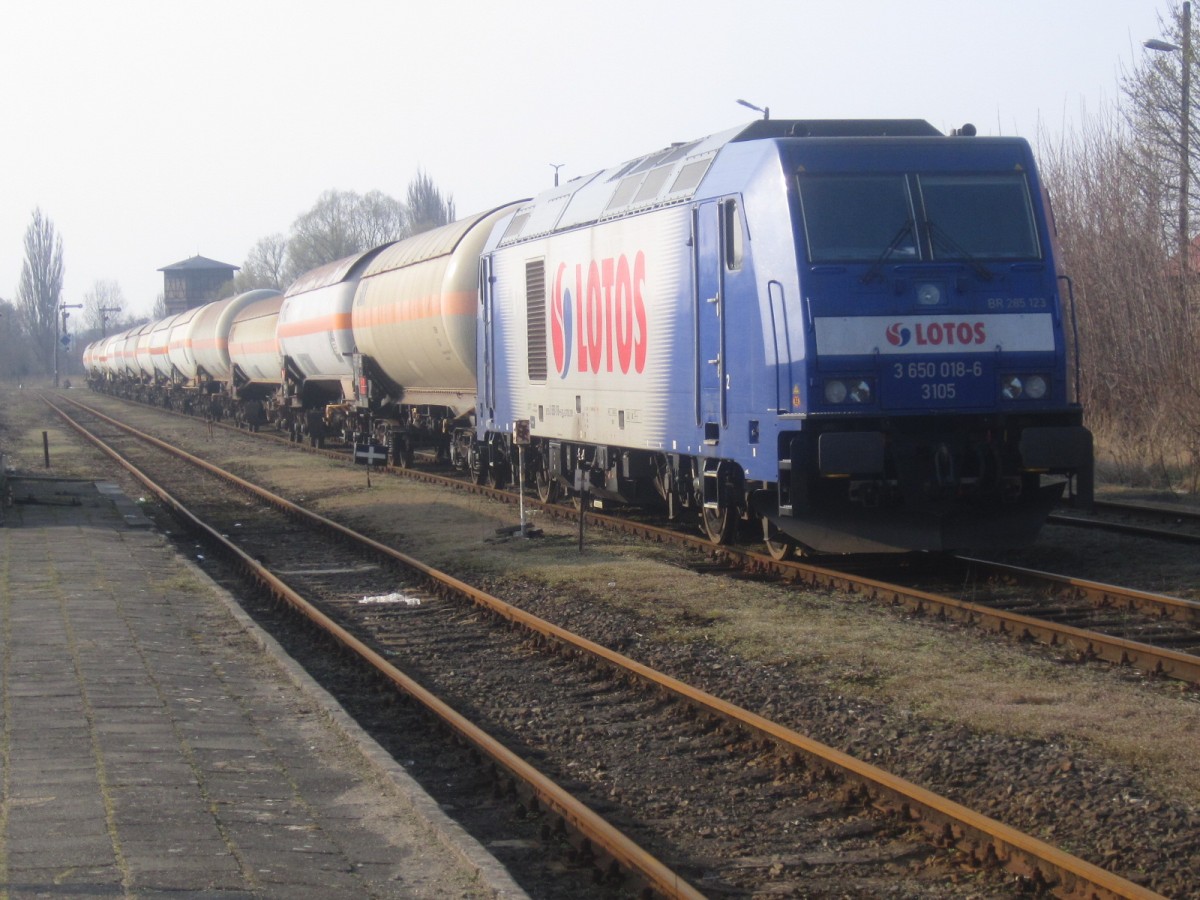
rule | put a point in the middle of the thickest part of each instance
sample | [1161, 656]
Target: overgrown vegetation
[1115, 184]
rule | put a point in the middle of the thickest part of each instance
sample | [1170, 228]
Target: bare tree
[342, 223]
[1141, 378]
[379, 219]
[1154, 111]
[40, 288]
[427, 208]
[103, 305]
[265, 265]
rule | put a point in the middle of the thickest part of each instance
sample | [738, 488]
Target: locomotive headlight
[835, 391]
[860, 391]
[929, 294]
[1035, 387]
[849, 390]
[1028, 387]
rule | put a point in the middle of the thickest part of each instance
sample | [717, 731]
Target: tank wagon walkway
[152, 741]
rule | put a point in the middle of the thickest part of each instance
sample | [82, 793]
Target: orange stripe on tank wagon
[318, 325]
[433, 306]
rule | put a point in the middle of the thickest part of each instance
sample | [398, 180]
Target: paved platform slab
[154, 741]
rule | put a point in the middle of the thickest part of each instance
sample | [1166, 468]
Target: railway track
[1160, 521]
[723, 744]
[1153, 633]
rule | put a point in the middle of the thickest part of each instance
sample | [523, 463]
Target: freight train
[851, 335]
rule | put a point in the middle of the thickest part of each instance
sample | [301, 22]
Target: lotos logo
[898, 336]
[937, 334]
[606, 315]
[561, 318]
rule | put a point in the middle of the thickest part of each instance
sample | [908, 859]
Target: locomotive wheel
[497, 476]
[547, 487]
[477, 461]
[719, 524]
[779, 546]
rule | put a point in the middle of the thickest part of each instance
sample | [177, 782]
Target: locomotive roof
[673, 174]
[779, 128]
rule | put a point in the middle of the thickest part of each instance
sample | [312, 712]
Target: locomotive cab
[936, 390]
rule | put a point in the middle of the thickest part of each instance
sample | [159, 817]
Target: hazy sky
[152, 130]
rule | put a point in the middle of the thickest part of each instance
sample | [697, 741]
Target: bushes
[1136, 306]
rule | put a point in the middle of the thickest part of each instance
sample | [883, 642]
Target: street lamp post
[1185, 127]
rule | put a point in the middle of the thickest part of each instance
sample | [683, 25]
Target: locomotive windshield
[857, 217]
[979, 216]
[851, 218]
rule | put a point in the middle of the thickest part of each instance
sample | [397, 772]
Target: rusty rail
[984, 839]
[586, 822]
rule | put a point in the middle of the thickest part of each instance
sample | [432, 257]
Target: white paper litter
[393, 597]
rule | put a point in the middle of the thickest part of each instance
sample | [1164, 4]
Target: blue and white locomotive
[851, 332]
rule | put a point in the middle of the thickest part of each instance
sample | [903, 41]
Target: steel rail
[1179, 510]
[1086, 644]
[1105, 596]
[1061, 518]
[984, 839]
[1161, 534]
[573, 812]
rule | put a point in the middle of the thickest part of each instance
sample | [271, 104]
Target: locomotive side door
[709, 318]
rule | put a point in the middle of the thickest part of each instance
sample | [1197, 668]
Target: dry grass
[934, 672]
[25, 419]
[940, 673]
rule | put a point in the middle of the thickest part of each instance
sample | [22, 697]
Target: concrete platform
[154, 741]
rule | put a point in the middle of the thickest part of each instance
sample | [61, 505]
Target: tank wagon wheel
[402, 453]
